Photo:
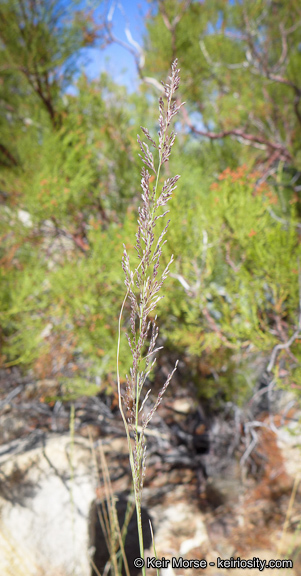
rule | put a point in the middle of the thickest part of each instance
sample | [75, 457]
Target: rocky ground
[219, 486]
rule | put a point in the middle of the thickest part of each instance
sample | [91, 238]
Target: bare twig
[239, 134]
[291, 340]
[11, 395]
[235, 267]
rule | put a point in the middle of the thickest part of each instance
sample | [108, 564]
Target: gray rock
[46, 495]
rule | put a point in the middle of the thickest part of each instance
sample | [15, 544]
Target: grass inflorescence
[144, 283]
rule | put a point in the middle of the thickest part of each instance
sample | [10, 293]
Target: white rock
[45, 502]
[179, 528]
[199, 538]
[25, 218]
[46, 331]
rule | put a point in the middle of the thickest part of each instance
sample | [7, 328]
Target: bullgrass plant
[144, 282]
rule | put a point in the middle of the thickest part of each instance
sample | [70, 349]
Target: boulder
[46, 493]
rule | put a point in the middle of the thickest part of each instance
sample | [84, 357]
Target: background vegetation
[69, 186]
